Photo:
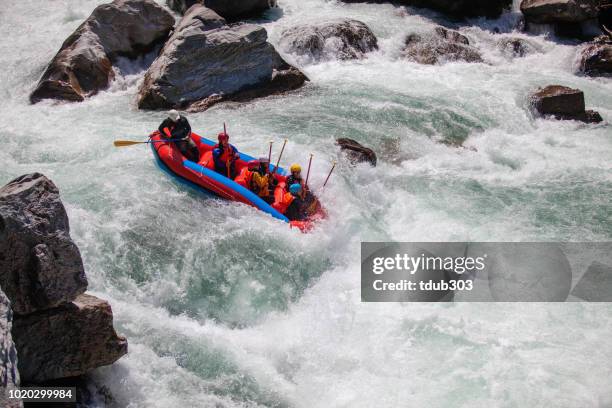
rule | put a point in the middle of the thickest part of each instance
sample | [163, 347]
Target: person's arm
[236, 153]
[164, 128]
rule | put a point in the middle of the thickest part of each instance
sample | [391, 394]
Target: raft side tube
[249, 196]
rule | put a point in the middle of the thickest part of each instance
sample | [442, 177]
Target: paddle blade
[123, 143]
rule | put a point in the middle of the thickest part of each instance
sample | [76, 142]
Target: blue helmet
[295, 189]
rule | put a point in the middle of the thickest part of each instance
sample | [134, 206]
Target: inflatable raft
[203, 177]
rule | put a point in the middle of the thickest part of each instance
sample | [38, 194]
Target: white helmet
[173, 115]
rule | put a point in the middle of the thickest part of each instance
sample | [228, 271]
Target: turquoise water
[224, 306]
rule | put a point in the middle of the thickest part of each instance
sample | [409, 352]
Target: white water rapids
[224, 306]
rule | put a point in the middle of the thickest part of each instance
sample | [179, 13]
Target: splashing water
[224, 306]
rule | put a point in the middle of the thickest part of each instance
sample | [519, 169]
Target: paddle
[279, 157]
[308, 172]
[330, 173]
[124, 143]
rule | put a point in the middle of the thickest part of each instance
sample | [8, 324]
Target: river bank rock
[453, 8]
[569, 18]
[230, 9]
[440, 46]
[9, 374]
[342, 39]
[202, 65]
[58, 330]
[41, 265]
[356, 152]
[559, 11]
[68, 340]
[596, 57]
[563, 103]
[83, 65]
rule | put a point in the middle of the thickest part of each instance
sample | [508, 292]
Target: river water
[224, 306]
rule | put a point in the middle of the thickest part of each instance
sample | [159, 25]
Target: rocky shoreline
[212, 56]
[52, 329]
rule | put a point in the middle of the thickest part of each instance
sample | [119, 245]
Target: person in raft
[294, 202]
[296, 177]
[225, 156]
[263, 182]
[177, 128]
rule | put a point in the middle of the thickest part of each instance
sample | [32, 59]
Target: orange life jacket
[244, 178]
[282, 205]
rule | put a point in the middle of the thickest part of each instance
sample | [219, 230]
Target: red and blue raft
[202, 176]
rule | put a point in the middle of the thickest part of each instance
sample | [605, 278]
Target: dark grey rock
[9, 374]
[516, 47]
[340, 38]
[563, 103]
[440, 46]
[454, 8]
[230, 9]
[559, 11]
[596, 284]
[40, 265]
[68, 340]
[356, 152]
[203, 65]
[83, 65]
[596, 57]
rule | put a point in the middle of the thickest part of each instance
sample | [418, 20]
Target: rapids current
[225, 306]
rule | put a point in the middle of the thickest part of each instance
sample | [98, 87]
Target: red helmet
[253, 165]
[223, 136]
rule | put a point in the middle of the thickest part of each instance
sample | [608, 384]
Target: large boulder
[9, 374]
[454, 8]
[340, 38]
[596, 57]
[83, 65]
[563, 103]
[40, 265]
[440, 46]
[230, 9]
[559, 11]
[356, 152]
[204, 64]
[68, 340]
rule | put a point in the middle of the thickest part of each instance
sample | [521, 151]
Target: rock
[596, 284]
[356, 152]
[596, 57]
[40, 265]
[204, 65]
[515, 47]
[605, 19]
[230, 9]
[68, 340]
[83, 65]
[9, 374]
[441, 46]
[559, 11]
[454, 8]
[563, 103]
[340, 38]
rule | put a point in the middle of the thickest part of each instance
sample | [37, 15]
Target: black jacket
[292, 180]
[180, 130]
[295, 211]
